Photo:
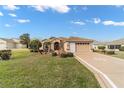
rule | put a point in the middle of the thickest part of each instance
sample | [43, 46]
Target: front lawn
[119, 54]
[35, 70]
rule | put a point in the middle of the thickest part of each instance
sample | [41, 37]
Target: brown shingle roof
[70, 39]
[78, 39]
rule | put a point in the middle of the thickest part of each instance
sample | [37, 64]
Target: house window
[117, 46]
[111, 47]
[114, 46]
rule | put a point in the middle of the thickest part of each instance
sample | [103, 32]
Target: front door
[72, 47]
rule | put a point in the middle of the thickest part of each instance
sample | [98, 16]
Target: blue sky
[95, 22]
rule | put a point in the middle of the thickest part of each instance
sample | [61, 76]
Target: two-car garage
[82, 47]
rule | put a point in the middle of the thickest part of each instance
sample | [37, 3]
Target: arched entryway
[56, 46]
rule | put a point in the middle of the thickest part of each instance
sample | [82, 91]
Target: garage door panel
[82, 47]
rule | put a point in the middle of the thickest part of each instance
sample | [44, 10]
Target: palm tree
[25, 39]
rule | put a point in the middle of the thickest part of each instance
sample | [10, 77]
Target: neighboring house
[113, 45]
[10, 44]
[95, 44]
[72, 44]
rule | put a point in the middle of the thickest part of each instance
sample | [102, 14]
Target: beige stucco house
[71, 44]
[113, 45]
[10, 44]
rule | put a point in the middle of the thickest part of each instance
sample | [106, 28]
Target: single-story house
[113, 45]
[95, 44]
[71, 44]
[10, 44]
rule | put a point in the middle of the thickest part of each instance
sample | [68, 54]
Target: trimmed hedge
[33, 50]
[5, 54]
[121, 48]
[110, 52]
[63, 55]
[101, 47]
[54, 54]
[69, 54]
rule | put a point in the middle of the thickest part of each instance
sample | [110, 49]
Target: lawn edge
[102, 82]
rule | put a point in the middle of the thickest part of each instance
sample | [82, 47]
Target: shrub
[31, 50]
[54, 54]
[101, 47]
[35, 45]
[121, 48]
[63, 55]
[69, 54]
[5, 54]
[35, 50]
[95, 50]
[110, 52]
[102, 51]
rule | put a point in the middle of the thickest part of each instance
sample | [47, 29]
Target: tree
[52, 37]
[25, 39]
[35, 45]
[47, 46]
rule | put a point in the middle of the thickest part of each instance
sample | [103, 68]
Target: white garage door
[82, 47]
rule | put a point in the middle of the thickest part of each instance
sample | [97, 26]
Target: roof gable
[8, 40]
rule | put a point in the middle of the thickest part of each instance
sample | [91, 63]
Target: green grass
[35, 70]
[119, 54]
[20, 53]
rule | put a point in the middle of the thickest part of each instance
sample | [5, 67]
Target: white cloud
[23, 20]
[7, 25]
[12, 15]
[11, 7]
[96, 20]
[60, 9]
[1, 14]
[109, 22]
[78, 22]
[39, 8]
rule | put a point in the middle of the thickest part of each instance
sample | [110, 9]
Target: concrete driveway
[109, 70]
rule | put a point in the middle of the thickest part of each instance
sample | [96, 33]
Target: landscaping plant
[35, 45]
[110, 52]
[63, 55]
[25, 39]
[54, 54]
[5, 54]
[102, 49]
[69, 54]
[121, 48]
